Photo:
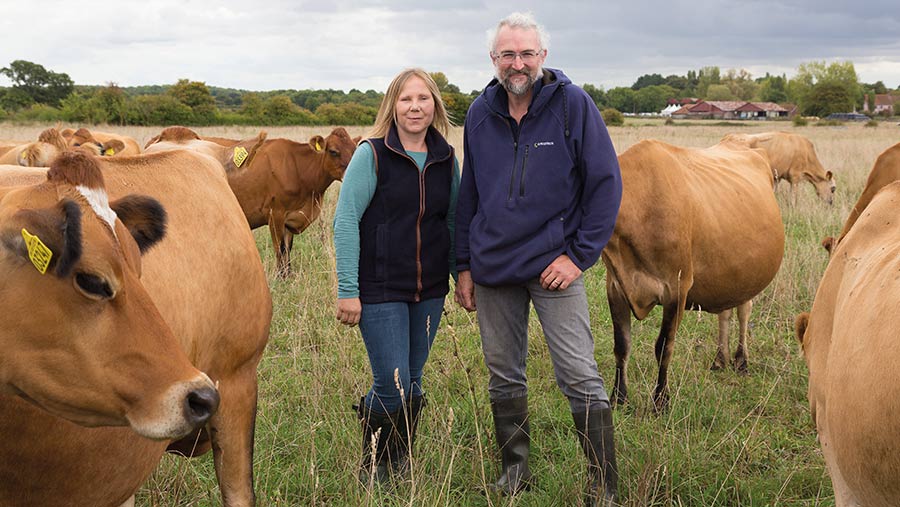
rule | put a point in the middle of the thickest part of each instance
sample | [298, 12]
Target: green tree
[652, 99]
[42, 85]
[811, 74]
[740, 83]
[719, 92]
[621, 98]
[598, 95]
[196, 96]
[163, 110]
[648, 80]
[826, 98]
[773, 89]
[707, 76]
[15, 99]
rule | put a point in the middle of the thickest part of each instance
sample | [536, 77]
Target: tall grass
[727, 439]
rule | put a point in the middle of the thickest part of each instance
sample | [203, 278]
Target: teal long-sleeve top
[357, 190]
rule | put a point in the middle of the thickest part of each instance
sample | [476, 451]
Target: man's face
[518, 59]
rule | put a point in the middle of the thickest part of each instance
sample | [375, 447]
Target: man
[537, 203]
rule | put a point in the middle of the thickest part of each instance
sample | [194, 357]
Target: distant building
[734, 110]
[882, 102]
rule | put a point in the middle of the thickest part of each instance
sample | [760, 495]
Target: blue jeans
[398, 336]
[564, 317]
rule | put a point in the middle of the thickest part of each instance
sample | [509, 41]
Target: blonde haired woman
[393, 231]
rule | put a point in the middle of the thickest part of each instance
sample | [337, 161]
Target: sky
[262, 45]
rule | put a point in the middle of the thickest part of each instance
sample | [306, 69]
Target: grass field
[727, 439]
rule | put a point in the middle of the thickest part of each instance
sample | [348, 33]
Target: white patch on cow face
[100, 204]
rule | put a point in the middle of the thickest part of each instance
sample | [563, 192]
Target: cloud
[283, 44]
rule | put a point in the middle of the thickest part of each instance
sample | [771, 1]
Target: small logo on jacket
[543, 143]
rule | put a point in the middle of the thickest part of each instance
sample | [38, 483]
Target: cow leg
[621, 317]
[741, 355]
[129, 502]
[793, 193]
[232, 431]
[665, 344]
[287, 244]
[722, 352]
[276, 230]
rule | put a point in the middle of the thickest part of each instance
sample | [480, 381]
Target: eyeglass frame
[528, 56]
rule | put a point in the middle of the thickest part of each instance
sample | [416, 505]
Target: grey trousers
[503, 322]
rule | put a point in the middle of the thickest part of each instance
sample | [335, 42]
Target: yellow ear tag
[318, 146]
[37, 251]
[240, 155]
[109, 152]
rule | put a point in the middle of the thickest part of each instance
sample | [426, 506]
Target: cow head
[825, 188]
[40, 153]
[81, 338]
[337, 149]
[83, 138]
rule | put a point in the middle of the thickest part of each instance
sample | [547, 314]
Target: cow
[40, 153]
[209, 285]
[239, 154]
[697, 228]
[793, 158]
[109, 144]
[849, 343]
[81, 337]
[885, 171]
[282, 186]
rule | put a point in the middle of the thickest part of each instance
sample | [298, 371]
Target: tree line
[40, 94]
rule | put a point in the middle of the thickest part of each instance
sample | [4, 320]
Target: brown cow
[793, 158]
[209, 285]
[697, 228]
[40, 153]
[233, 157]
[80, 336]
[283, 185]
[849, 342]
[109, 144]
[885, 171]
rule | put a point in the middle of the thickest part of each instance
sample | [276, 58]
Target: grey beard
[519, 89]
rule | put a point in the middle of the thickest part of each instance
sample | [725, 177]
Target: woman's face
[415, 107]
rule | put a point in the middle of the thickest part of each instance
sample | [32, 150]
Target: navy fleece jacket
[551, 186]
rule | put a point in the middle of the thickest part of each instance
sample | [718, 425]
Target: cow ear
[153, 140]
[47, 238]
[356, 140]
[111, 147]
[828, 175]
[800, 324]
[317, 143]
[66, 133]
[144, 217]
[828, 243]
[243, 152]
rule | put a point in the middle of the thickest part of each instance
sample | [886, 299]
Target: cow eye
[93, 286]
[334, 153]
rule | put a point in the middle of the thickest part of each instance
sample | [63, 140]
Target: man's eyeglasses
[510, 56]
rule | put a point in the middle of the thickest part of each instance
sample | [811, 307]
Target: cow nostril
[201, 404]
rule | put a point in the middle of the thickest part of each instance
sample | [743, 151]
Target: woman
[393, 231]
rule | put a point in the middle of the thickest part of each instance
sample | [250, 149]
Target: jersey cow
[49, 145]
[886, 170]
[849, 342]
[107, 143]
[684, 239]
[208, 283]
[81, 337]
[793, 158]
[283, 184]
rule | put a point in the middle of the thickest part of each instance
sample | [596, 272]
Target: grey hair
[523, 20]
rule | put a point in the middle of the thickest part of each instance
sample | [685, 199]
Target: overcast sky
[264, 45]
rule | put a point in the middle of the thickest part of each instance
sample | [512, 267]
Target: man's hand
[560, 273]
[348, 311]
[465, 291]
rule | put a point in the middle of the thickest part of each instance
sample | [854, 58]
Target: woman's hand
[348, 311]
